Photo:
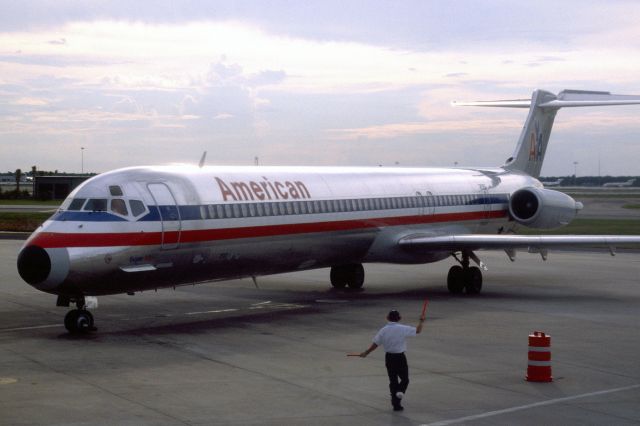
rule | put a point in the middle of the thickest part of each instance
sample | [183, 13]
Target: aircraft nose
[43, 268]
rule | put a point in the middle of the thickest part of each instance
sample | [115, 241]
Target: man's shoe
[399, 395]
[398, 408]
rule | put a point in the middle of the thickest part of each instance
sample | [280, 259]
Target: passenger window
[219, 211]
[227, 211]
[118, 206]
[137, 207]
[76, 204]
[259, 209]
[267, 209]
[116, 191]
[96, 205]
[244, 210]
[203, 212]
[212, 211]
[236, 210]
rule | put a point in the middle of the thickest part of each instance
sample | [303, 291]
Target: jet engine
[542, 208]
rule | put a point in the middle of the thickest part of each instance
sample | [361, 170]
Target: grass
[21, 222]
[631, 206]
[592, 227]
[30, 203]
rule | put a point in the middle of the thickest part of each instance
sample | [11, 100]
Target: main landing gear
[464, 277]
[351, 275]
[77, 320]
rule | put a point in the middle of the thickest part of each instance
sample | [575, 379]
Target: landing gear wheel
[347, 275]
[455, 280]
[473, 280]
[79, 321]
[337, 277]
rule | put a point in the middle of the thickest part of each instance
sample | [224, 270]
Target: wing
[510, 242]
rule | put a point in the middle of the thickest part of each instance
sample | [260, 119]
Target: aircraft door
[169, 214]
[485, 202]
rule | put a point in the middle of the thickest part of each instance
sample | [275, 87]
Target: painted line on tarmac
[526, 407]
[218, 311]
[34, 327]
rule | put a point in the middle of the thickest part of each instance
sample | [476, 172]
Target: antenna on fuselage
[204, 156]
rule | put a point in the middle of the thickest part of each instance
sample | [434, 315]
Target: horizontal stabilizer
[479, 241]
[532, 143]
[566, 98]
[514, 103]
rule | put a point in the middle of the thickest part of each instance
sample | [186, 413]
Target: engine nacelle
[542, 208]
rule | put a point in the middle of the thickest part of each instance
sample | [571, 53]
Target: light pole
[82, 159]
[575, 172]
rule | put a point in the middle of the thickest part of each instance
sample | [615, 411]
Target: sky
[98, 85]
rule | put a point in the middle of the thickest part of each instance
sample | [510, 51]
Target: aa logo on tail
[535, 143]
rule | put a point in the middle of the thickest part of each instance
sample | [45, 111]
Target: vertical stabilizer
[532, 143]
[543, 106]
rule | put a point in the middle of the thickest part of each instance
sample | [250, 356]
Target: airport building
[56, 187]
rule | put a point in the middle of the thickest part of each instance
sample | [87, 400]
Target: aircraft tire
[79, 321]
[337, 277]
[355, 276]
[473, 280]
[455, 279]
[351, 275]
[70, 321]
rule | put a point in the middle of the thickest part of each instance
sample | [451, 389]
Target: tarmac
[231, 353]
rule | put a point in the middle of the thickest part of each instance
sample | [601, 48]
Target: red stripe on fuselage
[58, 239]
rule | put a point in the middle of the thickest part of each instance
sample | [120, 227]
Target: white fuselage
[150, 227]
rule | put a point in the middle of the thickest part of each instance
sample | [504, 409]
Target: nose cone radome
[43, 268]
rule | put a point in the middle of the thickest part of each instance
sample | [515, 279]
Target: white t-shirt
[392, 336]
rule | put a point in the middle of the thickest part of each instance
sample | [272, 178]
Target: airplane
[552, 182]
[143, 228]
[619, 184]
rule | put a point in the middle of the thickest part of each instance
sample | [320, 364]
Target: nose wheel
[79, 321]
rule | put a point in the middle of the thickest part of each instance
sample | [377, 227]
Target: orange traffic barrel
[539, 368]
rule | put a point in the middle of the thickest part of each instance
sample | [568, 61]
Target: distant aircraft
[619, 184]
[144, 228]
[553, 182]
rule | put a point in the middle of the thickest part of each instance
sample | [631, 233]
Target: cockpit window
[77, 204]
[118, 206]
[96, 205]
[116, 191]
[137, 207]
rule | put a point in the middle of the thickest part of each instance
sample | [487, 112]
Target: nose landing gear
[78, 320]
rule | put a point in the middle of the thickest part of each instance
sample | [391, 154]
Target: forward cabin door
[169, 215]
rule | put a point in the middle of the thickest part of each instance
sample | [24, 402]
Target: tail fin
[543, 106]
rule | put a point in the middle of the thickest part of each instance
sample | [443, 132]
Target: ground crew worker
[392, 337]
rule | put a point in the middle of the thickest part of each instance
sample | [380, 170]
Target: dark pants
[398, 372]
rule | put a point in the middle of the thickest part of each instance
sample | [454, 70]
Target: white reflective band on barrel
[539, 349]
[539, 363]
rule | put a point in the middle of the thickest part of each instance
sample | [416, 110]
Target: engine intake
[542, 208]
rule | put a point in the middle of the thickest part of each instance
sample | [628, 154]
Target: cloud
[308, 81]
